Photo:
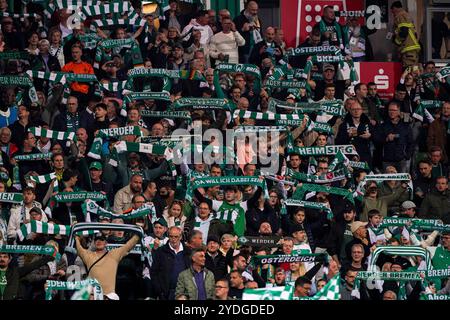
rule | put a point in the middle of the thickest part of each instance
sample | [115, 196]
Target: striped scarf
[243, 114]
[64, 197]
[422, 109]
[111, 44]
[83, 288]
[46, 228]
[106, 8]
[95, 151]
[43, 178]
[58, 77]
[274, 293]
[331, 291]
[335, 107]
[90, 206]
[58, 135]
[155, 149]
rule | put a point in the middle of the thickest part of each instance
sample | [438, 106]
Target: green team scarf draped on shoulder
[331, 291]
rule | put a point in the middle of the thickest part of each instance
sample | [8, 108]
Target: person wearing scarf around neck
[332, 32]
[249, 26]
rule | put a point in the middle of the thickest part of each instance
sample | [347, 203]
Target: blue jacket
[401, 148]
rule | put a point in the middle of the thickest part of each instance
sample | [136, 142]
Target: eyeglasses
[174, 237]
[220, 287]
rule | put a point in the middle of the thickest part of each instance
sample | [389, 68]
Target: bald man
[266, 49]
[249, 26]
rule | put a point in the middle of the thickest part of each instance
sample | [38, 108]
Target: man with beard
[123, 198]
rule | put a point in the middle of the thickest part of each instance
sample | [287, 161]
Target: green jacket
[186, 284]
[436, 205]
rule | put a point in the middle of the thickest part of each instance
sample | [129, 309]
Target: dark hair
[397, 4]
[373, 212]
[359, 85]
[30, 189]
[56, 154]
[70, 173]
[427, 161]
[301, 281]
[101, 105]
[435, 149]
[330, 85]
[371, 84]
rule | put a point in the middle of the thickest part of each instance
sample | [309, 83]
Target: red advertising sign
[298, 17]
[385, 74]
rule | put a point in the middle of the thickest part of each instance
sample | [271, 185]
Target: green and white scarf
[377, 276]
[58, 135]
[117, 86]
[285, 84]
[11, 197]
[106, 8]
[308, 205]
[422, 109]
[331, 291]
[286, 258]
[330, 177]
[58, 77]
[166, 114]
[89, 206]
[430, 296]
[133, 96]
[300, 192]
[64, 197]
[257, 129]
[309, 51]
[243, 114]
[45, 178]
[110, 44]
[274, 293]
[225, 181]
[335, 107]
[360, 190]
[31, 249]
[444, 73]
[323, 151]
[95, 151]
[410, 251]
[20, 81]
[202, 103]
[14, 55]
[249, 69]
[52, 285]
[33, 156]
[148, 148]
[42, 227]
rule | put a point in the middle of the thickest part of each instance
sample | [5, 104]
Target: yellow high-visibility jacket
[408, 43]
